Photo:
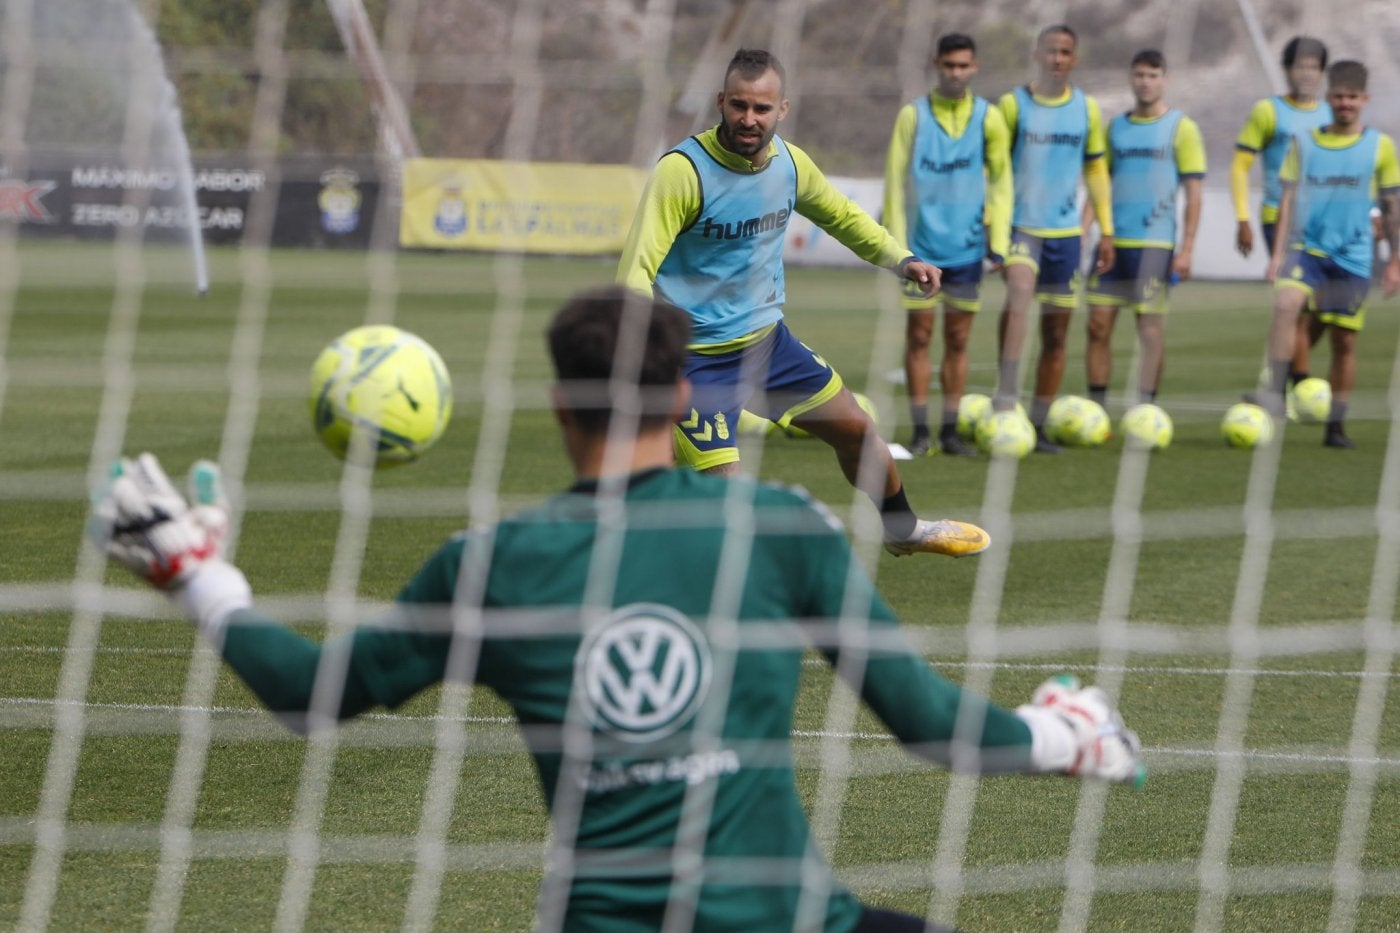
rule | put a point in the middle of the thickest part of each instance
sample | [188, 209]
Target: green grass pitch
[64, 368]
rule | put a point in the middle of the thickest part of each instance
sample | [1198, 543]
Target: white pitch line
[1254, 755]
[821, 662]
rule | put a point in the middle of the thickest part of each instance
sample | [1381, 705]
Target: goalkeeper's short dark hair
[1304, 47]
[750, 64]
[618, 350]
[1347, 75]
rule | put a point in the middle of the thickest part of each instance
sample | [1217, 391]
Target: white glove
[140, 520]
[1074, 730]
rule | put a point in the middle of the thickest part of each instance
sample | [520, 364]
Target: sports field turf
[202, 371]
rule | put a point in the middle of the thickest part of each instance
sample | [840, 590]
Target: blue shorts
[1138, 280]
[776, 377]
[1335, 296]
[961, 291]
[1056, 264]
[1270, 231]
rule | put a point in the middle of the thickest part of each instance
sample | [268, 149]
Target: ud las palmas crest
[643, 672]
[450, 218]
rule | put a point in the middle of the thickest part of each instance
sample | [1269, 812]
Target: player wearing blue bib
[948, 198]
[1321, 263]
[1056, 138]
[1153, 152]
[1268, 132]
[708, 236]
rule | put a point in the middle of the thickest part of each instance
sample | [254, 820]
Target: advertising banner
[540, 207]
[91, 196]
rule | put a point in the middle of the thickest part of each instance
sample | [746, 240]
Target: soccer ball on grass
[972, 408]
[1246, 425]
[1006, 434]
[1310, 401]
[1076, 421]
[1146, 427]
[383, 384]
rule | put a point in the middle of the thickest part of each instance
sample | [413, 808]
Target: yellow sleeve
[820, 202]
[1387, 165]
[895, 210]
[1239, 182]
[1189, 149]
[1259, 126]
[1288, 172]
[1096, 178]
[1096, 144]
[670, 202]
[997, 160]
[1010, 112]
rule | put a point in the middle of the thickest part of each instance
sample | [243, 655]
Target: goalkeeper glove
[1074, 730]
[141, 521]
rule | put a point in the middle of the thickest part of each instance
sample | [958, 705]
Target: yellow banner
[531, 207]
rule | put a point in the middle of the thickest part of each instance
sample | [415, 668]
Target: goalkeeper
[708, 236]
[658, 707]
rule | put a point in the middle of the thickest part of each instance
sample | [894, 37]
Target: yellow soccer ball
[972, 408]
[1310, 401]
[379, 395]
[1075, 421]
[1007, 434]
[1246, 425]
[1146, 427]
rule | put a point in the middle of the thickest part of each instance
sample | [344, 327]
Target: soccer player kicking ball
[1056, 136]
[1321, 263]
[658, 704]
[948, 196]
[1152, 151]
[708, 237]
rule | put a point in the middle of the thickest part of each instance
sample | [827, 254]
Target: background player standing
[1152, 152]
[948, 198]
[708, 237]
[1056, 135]
[1268, 131]
[665, 789]
[1321, 262]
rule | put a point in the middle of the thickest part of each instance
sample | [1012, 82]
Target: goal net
[1238, 606]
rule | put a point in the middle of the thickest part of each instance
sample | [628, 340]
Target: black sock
[949, 428]
[1039, 409]
[898, 517]
[919, 415]
[1337, 416]
[1295, 377]
[1099, 394]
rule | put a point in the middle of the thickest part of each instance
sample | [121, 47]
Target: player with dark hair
[1153, 151]
[647, 626]
[948, 197]
[708, 236]
[1056, 137]
[1322, 256]
[1268, 131]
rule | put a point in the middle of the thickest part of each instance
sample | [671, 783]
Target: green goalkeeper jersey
[657, 634]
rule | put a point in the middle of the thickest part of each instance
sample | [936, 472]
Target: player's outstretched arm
[1075, 730]
[140, 520]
